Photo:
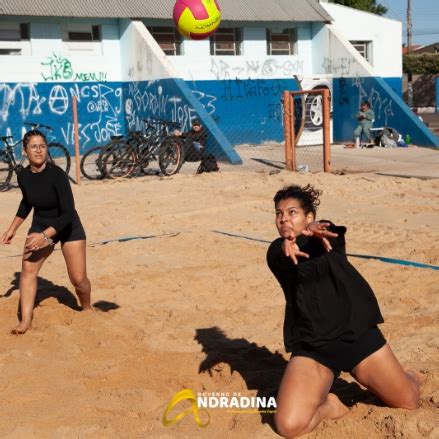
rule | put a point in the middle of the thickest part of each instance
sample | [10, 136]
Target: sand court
[186, 307]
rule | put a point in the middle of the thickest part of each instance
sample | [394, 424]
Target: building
[122, 70]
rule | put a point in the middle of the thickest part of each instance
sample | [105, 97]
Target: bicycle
[57, 154]
[91, 162]
[141, 148]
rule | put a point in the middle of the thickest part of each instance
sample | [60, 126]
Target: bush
[427, 63]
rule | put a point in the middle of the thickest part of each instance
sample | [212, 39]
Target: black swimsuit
[49, 193]
[331, 312]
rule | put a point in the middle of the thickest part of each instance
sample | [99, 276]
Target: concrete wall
[384, 33]
[358, 83]
[196, 63]
[125, 79]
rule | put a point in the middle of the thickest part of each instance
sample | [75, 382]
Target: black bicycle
[92, 161]
[10, 163]
[141, 148]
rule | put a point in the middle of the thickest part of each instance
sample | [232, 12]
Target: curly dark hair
[307, 196]
[30, 134]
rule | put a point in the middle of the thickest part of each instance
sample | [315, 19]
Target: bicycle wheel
[59, 156]
[6, 170]
[170, 157]
[119, 161]
[91, 163]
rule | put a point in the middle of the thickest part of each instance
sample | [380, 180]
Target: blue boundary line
[353, 255]
[249, 238]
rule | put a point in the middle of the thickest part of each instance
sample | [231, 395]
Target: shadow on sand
[262, 369]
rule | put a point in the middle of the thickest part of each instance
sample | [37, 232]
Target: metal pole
[326, 131]
[75, 126]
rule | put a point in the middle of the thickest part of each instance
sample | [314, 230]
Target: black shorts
[340, 355]
[73, 232]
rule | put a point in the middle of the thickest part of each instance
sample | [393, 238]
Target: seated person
[194, 142]
[365, 119]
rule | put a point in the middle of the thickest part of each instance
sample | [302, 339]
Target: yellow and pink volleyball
[197, 19]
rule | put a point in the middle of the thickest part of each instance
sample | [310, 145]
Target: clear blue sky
[425, 19]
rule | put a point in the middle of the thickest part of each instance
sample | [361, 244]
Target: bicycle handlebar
[38, 125]
[163, 122]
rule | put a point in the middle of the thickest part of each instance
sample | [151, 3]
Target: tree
[364, 5]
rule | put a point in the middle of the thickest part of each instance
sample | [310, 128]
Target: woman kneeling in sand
[46, 189]
[331, 319]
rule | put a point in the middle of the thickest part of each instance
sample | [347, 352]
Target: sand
[196, 309]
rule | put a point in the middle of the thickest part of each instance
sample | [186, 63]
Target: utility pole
[409, 26]
[409, 50]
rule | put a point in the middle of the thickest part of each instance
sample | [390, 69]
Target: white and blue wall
[126, 77]
[355, 80]
[39, 85]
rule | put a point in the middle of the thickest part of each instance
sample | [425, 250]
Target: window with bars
[168, 39]
[364, 48]
[226, 41]
[14, 38]
[282, 41]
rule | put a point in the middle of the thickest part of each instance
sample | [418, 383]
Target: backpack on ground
[389, 137]
[208, 164]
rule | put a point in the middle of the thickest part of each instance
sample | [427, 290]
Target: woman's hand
[319, 230]
[35, 241]
[7, 237]
[292, 250]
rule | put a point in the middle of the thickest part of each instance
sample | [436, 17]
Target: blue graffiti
[100, 109]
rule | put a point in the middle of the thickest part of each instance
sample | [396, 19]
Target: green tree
[364, 5]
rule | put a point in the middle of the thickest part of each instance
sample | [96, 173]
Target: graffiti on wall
[58, 67]
[270, 68]
[100, 110]
[382, 106]
[341, 66]
[156, 99]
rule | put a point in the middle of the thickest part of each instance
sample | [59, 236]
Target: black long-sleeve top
[196, 136]
[326, 297]
[49, 193]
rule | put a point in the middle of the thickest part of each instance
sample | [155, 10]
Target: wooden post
[287, 130]
[75, 127]
[293, 133]
[326, 131]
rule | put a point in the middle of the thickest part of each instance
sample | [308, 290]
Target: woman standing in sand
[331, 319]
[46, 189]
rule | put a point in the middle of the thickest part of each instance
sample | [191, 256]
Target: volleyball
[197, 19]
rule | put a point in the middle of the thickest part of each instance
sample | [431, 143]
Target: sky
[425, 19]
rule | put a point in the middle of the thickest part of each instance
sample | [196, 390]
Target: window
[364, 48]
[84, 38]
[168, 39]
[14, 39]
[90, 34]
[282, 41]
[226, 42]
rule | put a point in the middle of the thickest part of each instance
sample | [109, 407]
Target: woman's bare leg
[31, 265]
[304, 399]
[74, 253]
[382, 374]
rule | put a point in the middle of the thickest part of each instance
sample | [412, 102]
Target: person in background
[194, 146]
[194, 141]
[365, 119]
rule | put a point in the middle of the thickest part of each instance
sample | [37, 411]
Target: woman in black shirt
[331, 318]
[46, 189]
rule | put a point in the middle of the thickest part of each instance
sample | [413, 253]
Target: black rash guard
[326, 298]
[49, 193]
